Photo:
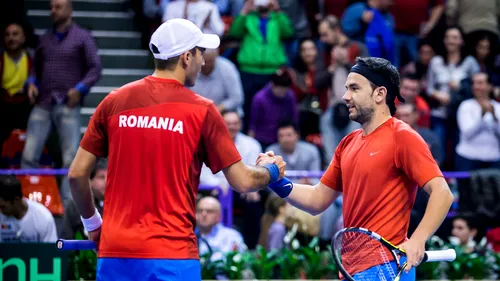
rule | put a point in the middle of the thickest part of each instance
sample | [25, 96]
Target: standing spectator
[474, 16]
[204, 14]
[372, 24]
[331, 34]
[271, 105]
[72, 221]
[410, 90]
[273, 229]
[296, 11]
[66, 66]
[444, 77]
[220, 238]
[414, 19]
[23, 220]
[262, 27]
[479, 125]
[219, 80]
[15, 67]
[298, 155]
[408, 113]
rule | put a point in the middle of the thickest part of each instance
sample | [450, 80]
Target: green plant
[82, 264]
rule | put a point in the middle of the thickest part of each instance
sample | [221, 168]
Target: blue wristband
[283, 187]
[274, 172]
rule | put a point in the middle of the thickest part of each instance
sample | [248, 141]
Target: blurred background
[278, 80]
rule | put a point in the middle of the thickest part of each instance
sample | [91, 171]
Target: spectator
[273, 229]
[220, 239]
[486, 53]
[479, 125]
[23, 220]
[313, 101]
[473, 16]
[410, 90]
[414, 19]
[331, 34]
[15, 67]
[408, 113]
[372, 24]
[297, 154]
[271, 105]
[66, 67]
[262, 27]
[464, 232]
[204, 14]
[296, 11]
[150, 18]
[219, 80]
[332, 7]
[444, 77]
[72, 221]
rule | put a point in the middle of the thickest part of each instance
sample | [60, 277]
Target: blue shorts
[111, 269]
[380, 273]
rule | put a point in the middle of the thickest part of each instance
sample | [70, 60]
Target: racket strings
[359, 251]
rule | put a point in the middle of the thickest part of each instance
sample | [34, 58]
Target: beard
[362, 115]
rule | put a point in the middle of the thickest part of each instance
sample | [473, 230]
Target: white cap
[261, 2]
[177, 36]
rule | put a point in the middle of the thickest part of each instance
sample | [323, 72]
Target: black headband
[377, 79]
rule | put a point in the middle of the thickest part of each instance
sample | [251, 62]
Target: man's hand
[32, 92]
[270, 158]
[367, 16]
[415, 250]
[96, 237]
[73, 97]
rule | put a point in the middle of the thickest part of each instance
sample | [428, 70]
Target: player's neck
[167, 74]
[378, 119]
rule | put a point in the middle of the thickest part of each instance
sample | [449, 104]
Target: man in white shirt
[219, 80]
[204, 14]
[23, 220]
[479, 126]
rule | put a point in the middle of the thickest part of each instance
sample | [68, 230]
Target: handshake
[276, 167]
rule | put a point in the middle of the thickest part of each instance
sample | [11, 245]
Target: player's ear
[186, 58]
[380, 94]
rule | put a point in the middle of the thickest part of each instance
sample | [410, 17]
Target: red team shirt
[378, 175]
[156, 134]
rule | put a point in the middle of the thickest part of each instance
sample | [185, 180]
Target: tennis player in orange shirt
[377, 168]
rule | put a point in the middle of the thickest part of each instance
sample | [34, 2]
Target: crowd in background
[278, 81]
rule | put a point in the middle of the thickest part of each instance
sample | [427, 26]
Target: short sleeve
[95, 139]
[333, 175]
[219, 149]
[414, 157]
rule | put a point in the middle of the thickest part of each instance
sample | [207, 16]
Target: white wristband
[92, 223]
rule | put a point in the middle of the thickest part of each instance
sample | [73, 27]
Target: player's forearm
[309, 199]
[438, 206]
[82, 195]
[258, 178]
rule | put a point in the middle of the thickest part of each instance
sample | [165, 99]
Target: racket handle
[67, 245]
[441, 255]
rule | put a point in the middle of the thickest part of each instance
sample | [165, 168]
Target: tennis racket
[357, 249]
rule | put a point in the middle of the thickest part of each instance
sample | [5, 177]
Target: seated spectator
[204, 14]
[408, 113]
[444, 77]
[479, 126]
[21, 219]
[273, 229]
[15, 66]
[220, 239]
[72, 221]
[262, 28]
[420, 66]
[410, 90]
[331, 34]
[464, 232]
[219, 80]
[298, 155]
[270, 106]
[488, 58]
[371, 23]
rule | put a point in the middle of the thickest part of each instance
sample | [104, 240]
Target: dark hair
[299, 64]
[273, 205]
[489, 79]
[227, 111]
[469, 219]
[384, 68]
[170, 63]
[281, 78]
[102, 164]
[287, 124]
[10, 188]
[463, 49]
[410, 76]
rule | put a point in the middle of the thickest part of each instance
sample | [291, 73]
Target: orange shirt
[378, 175]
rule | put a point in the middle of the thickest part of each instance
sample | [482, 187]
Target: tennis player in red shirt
[378, 168]
[156, 134]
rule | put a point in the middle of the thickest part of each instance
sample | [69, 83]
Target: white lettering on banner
[153, 122]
